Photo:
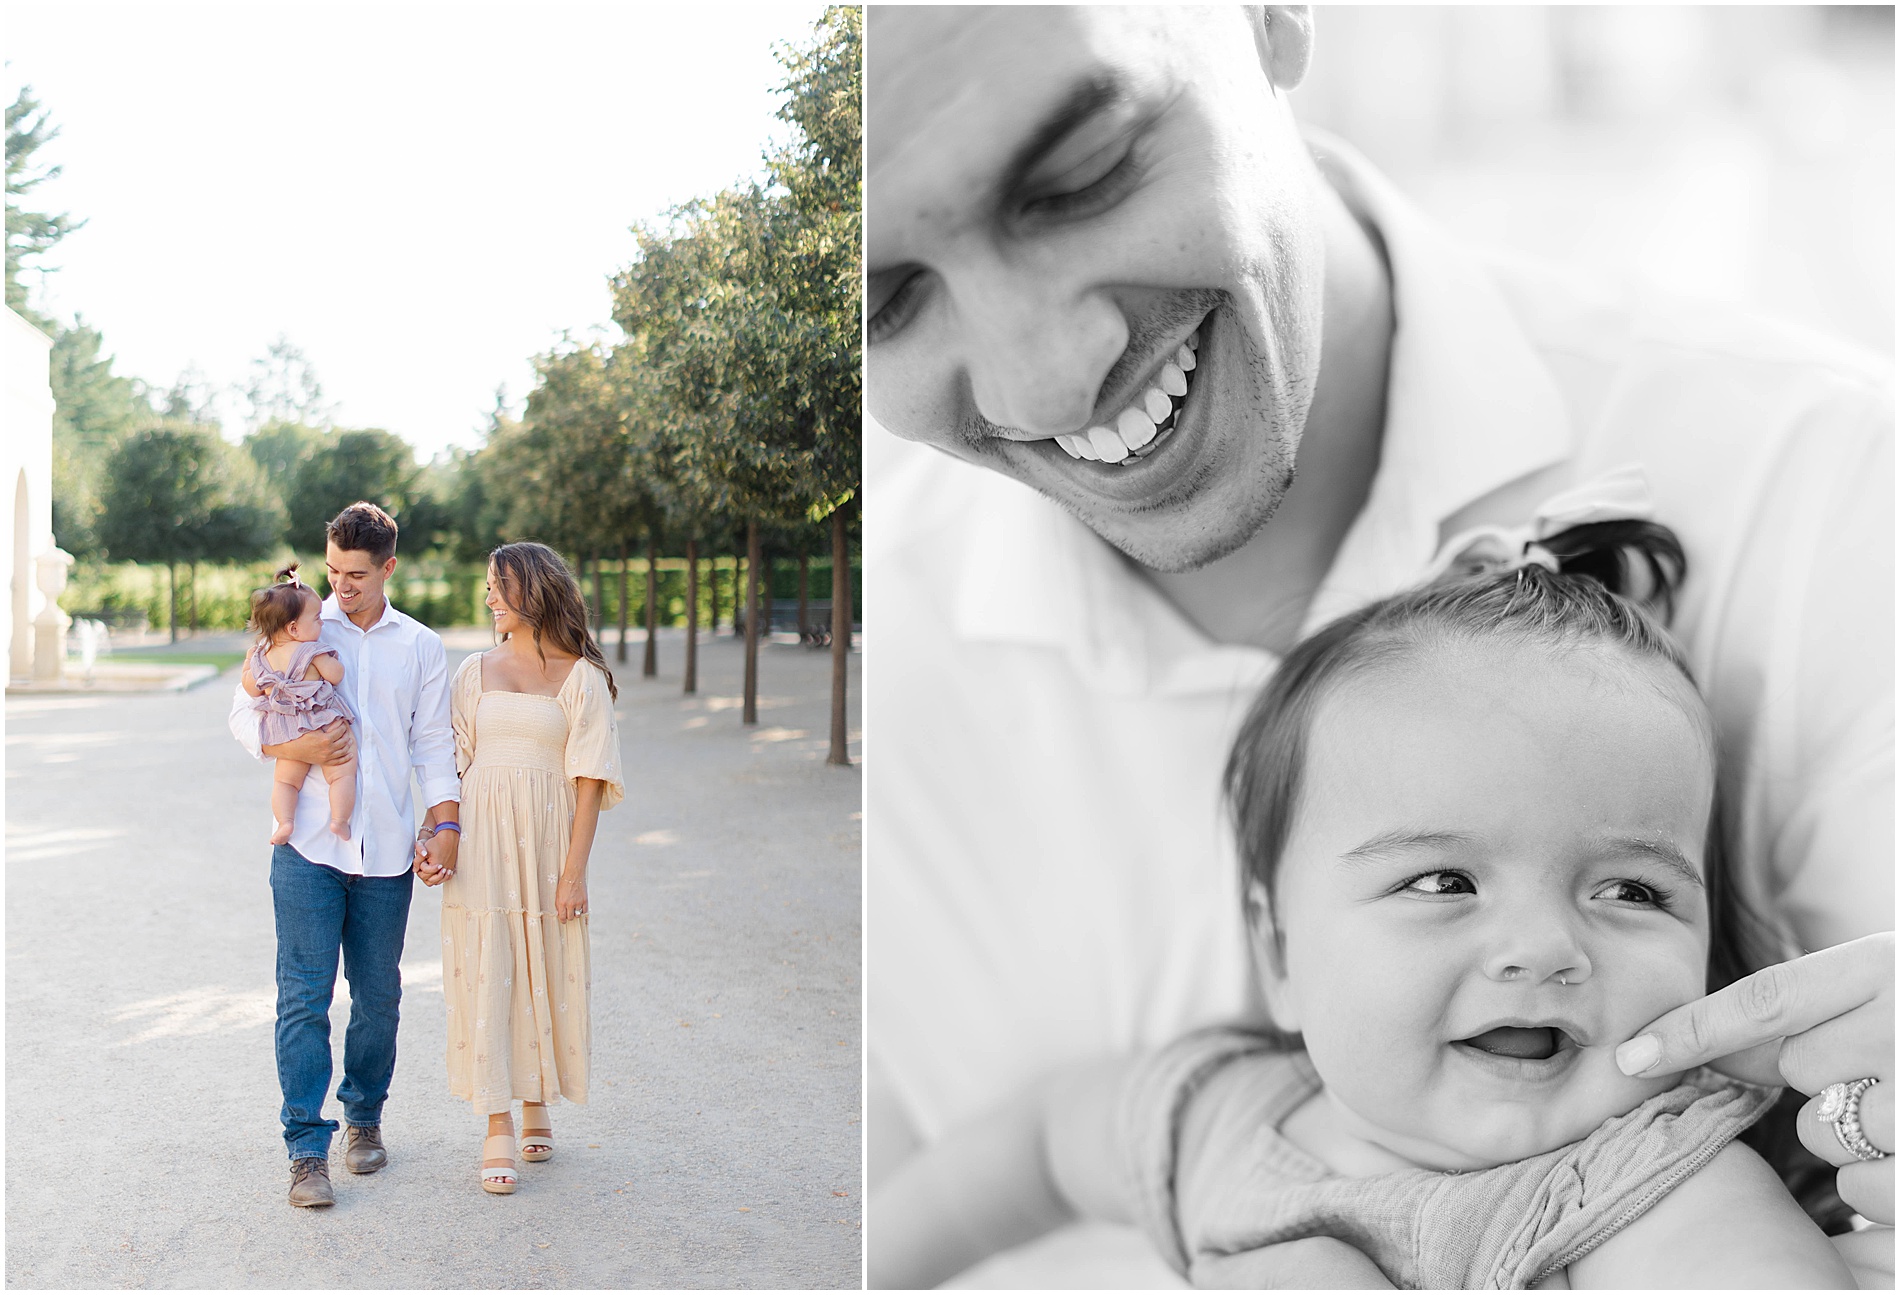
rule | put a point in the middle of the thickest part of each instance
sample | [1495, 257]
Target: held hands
[1823, 1019]
[435, 856]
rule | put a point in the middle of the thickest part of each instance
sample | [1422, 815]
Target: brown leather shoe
[310, 1182]
[363, 1148]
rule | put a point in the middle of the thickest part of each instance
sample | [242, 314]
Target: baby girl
[1479, 850]
[294, 679]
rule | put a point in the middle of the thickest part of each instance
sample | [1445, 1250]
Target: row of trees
[723, 417]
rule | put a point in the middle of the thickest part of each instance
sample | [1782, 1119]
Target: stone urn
[49, 626]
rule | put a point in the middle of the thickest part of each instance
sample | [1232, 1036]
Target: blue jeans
[319, 911]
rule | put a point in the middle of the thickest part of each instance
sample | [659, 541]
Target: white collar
[332, 612]
[1470, 406]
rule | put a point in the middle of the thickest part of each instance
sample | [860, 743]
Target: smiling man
[1185, 382]
[352, 896]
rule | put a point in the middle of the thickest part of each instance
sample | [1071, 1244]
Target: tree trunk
[651, 666]
[712, 587]
[692, 616]
[750, 715]
[171, 583]
[621, 655]
[766, 558]
[191, 598]
[840, 636]
[804, 582]
[600, 604]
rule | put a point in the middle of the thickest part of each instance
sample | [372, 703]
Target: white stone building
[34, 623]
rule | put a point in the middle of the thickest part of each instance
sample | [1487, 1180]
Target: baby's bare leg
[342, 795]
[287, 782]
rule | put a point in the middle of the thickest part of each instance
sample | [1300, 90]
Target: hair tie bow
[1621, 494]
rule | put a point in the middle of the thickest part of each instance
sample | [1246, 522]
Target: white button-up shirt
[1051, 875]
[396, 681]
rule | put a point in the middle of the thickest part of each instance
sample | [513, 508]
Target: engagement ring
[1840, 1106]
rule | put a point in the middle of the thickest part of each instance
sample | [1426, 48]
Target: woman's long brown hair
[538, 587]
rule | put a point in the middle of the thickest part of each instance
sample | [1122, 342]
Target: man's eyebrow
[1084, 100]
[1400, 841]
[1661, 852]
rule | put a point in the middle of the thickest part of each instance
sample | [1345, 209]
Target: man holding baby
[1230, 386]
[349, 896]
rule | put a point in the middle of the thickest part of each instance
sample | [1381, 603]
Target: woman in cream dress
[539, 754]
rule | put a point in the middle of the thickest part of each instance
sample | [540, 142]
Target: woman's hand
[440, 851]
[426, 867]
[570, 897]
[1823, 1019]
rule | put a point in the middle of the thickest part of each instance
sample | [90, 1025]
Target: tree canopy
[29, 233]
[176, 492]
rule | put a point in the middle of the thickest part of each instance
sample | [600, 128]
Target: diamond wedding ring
[1840, 1106]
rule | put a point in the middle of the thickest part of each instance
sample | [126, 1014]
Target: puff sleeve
[593, 738]
[465, 694]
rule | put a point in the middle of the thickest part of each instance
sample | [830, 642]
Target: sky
[419, 196]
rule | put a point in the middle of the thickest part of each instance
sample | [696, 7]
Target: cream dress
[515, 976]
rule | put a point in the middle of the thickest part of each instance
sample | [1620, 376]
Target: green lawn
[218, 659]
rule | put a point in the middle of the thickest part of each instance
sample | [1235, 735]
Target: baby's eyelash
[1409, 882]
[1661, 896]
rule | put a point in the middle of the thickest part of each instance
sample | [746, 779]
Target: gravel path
[721, 1147]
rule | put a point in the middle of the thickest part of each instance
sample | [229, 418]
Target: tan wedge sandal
[537, 1144]
[498, 1163]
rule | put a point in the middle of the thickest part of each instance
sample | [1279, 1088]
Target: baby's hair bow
[1619, 495]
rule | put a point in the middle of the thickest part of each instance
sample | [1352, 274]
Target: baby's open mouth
[1527, 1043]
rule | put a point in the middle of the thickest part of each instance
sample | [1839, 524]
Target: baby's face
[309, 622]
[1493, 877]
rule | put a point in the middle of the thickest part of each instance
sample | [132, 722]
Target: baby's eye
[1441, 883]
[1626, 891]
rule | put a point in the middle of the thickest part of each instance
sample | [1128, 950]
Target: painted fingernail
[1639, 1054]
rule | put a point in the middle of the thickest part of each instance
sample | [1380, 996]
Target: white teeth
[1137, 430]
[1108, 445]
[1135, 426]
[1194, 340]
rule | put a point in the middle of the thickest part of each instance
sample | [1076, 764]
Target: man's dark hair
[364, 528]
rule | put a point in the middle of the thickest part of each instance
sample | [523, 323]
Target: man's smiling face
[357, 579]
[1095, 260]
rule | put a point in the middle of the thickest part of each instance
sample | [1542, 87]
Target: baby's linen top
[289, 708]
[1241, 1185]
